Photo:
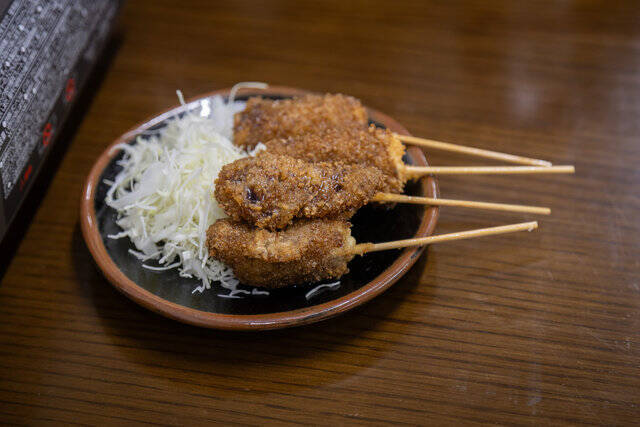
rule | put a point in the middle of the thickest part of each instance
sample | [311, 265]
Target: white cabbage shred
[321, 289]
[164, 193]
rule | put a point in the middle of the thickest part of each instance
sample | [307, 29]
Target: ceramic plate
[170, 295]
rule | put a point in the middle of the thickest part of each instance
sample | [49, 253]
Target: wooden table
[518, 329]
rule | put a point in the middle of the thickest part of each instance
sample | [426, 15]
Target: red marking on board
[47, 133]
[25, 176]
[70, 89]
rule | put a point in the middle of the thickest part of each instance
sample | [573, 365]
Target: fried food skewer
[382, 149]
[265, 119]
[270, 191]
[309, 250]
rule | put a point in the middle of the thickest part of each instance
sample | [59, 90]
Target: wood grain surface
[538, 328]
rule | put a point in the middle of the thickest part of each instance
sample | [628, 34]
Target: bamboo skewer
[446, 146]
[363, 248]
[416, 171]
[401, 198]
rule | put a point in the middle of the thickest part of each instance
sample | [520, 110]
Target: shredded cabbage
[164, 193]
[321, 289]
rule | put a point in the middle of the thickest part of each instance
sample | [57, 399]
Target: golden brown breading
[371, 147]
[307, 251]
[270, 190]
[265, 119]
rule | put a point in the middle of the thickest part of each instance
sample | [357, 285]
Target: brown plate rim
[315, 313]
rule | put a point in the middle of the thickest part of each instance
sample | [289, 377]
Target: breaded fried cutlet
[307, 251]
[373, 146]
[270, 190]
[265, 119]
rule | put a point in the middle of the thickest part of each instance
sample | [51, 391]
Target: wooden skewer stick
[363, 248]
[446, 146]
[401, 198]
[416, 171]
